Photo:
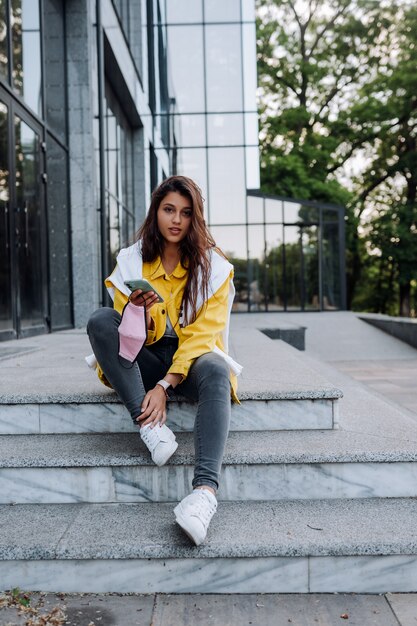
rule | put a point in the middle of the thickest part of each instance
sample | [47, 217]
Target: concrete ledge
[403, 328]
[284, 529]
[334, 574]
[112, 417]
[290, 333]
[56, 371]
[126, 449]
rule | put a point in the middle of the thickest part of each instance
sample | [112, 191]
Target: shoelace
[151, 437]
[204, 513]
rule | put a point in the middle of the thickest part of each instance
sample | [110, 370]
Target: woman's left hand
[153, 407]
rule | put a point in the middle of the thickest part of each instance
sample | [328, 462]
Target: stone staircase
[310, 499]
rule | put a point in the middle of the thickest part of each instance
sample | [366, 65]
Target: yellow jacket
[201, 336]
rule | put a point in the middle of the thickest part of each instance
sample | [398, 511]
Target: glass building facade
[288, 256]
[100, 100]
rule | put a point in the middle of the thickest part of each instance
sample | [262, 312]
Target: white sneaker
[160, 442]
[194, 514]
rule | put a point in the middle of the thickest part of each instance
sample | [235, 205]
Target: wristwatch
[165, 385]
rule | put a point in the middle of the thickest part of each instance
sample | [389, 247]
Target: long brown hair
[195, 246]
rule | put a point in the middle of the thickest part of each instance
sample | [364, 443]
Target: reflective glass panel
[184, 11]
[292, 212]
[225, 129]
[221, 10]
[185, 45]
[114, 228]
[29, 224]
[255, 209]
[251, 129]
[330, 215]
[311, 290]
[274, 268]
[119, 176]
[273, 210]
[27, 52]
[248, 10]
[331, 267]
[224, 68]
[293, 267]
[192, 131]
[54, 59]
[252, 168]
[250, 78]
[256, 268]
[59, 236]
[227, 192]
[232, 240]
[4, 61]
[6, 321]
[192, 162]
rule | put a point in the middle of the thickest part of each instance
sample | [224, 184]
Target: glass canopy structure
[288, 256]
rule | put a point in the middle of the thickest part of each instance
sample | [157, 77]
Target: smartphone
[142, 283]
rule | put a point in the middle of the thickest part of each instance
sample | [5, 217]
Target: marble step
[308, 410]
[362, 546]
[266, 465]
[279, 389]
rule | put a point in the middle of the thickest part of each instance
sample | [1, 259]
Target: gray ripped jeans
[207, 384]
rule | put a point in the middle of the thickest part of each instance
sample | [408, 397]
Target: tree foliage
[338, 100]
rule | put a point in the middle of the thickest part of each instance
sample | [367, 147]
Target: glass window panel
[253, 180]
[232, 240]
[292, 212]
[293, 268]
[6, 321]
[311, 290]
[331, 267]
[184, 11]
[273, 210]
[255, 209]
[27, 52]
[251, 129]
[256, 268]
[224, 68]
[249, 66]
[4, 53]
[309, 214]
[59, 236]
[274, 268]
[29, 224]
[221, 11]
[119, 175]
[225, 129]
[227, 193]
[185, 45]
[54, 60]
[330, 215]
[114, 227]
[248, 10]
[192, 162]
[192, 131]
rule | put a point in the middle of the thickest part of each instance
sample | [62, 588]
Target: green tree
[323, 76]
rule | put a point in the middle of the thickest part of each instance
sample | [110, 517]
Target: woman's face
[174, 217]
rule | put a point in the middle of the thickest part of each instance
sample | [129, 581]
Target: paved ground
[216, 610]
[383, 363]
[367, 354]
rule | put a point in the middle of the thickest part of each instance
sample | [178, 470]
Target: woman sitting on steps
[186, 339]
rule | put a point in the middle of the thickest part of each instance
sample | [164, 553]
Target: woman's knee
[212, 367]
[102, 321]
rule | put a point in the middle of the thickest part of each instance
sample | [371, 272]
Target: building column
[85, 223]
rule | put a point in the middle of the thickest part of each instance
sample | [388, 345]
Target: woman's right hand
[146, 299]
